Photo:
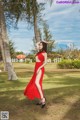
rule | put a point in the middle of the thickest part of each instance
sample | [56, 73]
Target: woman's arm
[45, 62]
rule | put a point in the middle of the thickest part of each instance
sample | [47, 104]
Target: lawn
[61, 88]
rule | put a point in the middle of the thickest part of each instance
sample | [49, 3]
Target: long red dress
[31, 90]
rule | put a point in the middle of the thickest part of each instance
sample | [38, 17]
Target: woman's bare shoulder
[44, 53]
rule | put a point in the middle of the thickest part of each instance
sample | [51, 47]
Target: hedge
[69, 64]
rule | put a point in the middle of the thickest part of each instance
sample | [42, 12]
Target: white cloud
[59, 11]
[63, 41]
[63, 22]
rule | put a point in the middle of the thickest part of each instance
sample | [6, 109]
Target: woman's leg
[37, 82]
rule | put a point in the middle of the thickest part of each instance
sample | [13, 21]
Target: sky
[64, 24]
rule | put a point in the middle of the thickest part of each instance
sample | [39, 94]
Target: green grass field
[61, 88]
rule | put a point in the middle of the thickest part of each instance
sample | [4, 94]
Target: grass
[61, 88]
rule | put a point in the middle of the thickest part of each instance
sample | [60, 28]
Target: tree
[48, 37]
[1, 47]
[12, 49]
[19, 52]
[33, 11]
[5, 45]
[34, 41]
[28, 8]
[0, 54]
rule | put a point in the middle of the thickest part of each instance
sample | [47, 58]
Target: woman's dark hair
[44, 46]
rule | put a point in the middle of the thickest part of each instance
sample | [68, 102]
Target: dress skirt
[31, 90]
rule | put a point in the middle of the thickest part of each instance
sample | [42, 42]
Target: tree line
[11, 11]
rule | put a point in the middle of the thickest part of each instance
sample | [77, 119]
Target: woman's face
[39, 46]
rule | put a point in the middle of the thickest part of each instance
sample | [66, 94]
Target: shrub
[69, 64]
[76, 64]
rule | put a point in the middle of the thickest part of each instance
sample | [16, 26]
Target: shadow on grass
[74, 112]
[62, 73]
[25, 74]
[20, 108]
[64, 81]
[15, 102]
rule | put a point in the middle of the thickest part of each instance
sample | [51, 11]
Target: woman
[34, 88]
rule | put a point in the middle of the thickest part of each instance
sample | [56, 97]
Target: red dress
[31, 90]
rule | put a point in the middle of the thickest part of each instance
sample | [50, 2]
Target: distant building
[21, 57]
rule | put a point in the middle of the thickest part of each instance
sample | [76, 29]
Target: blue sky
[64, 24]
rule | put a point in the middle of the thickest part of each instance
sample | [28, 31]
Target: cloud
[63, 21]
[63, 41]
[67, 43]
[59, 10]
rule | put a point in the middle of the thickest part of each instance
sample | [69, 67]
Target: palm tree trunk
[37, 35]
[5, 46]
[36, 31]
[2, 51]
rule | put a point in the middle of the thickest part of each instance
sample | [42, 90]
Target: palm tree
[31, 8]
[35, 12]
[2, 50]
[32, 11]
[5, 45]
[28, 10]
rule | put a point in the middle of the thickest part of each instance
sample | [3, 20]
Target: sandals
[42, 103]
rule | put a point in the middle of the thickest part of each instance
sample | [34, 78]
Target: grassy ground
[61, 88]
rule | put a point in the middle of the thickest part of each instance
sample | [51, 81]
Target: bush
[69, 64]
[76, 64]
